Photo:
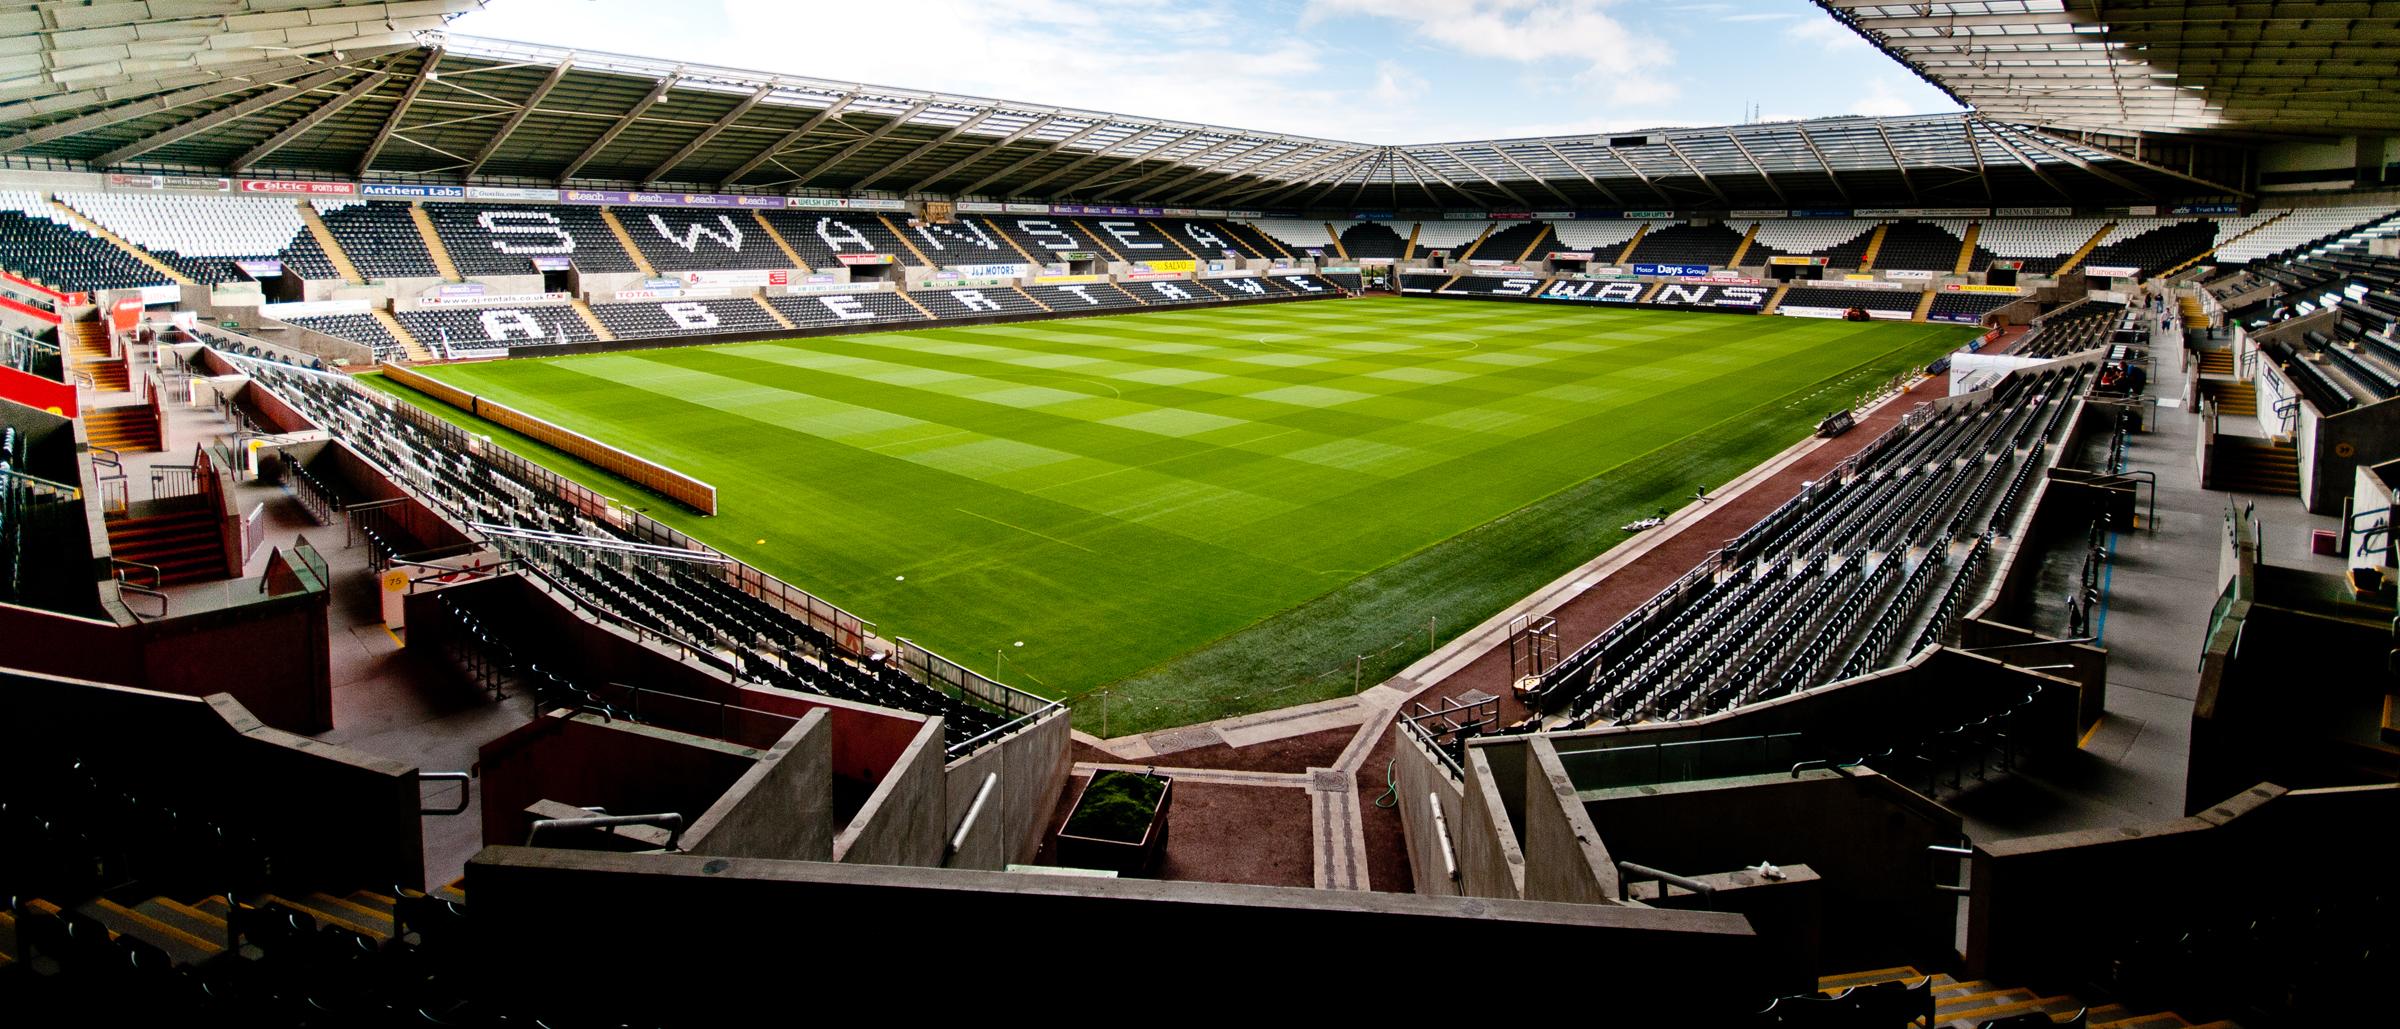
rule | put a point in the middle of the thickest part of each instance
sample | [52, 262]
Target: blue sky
[1371, 71]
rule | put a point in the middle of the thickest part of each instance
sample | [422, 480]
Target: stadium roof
[453, 108]
[2287, 67]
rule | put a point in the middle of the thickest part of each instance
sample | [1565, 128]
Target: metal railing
[170, 481]
[465, 792]
[1629, 873]
[670, 821]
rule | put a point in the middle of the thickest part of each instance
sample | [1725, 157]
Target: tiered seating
[1966, 307]
[1711, 245]
[1211, 239]
[1246, 288]
[198, 236]
[378, 236]
[718, 621]
[684, 318]
[38, 242]
[1296, 234]
[823, 309]
[2153, 244]
[1845, 299]
[974, 303]
[1841, 241]
[357, 328]
[1046, 236]
[819, 237]
[1604, 237]
[1169, 292]
[1090, 296]
[503, 239]
[1451, 235]
[1375, 239]
[1135, 240]
[1922, 246]
[1857, 573]
[2300, 229]
[2323, 390]
[445, 330]
[2072, 330]
[967, 241]
[1492, 286]
[677, 240]
[2042, 243]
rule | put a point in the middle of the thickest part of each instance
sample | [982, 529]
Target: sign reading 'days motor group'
[1672, 270]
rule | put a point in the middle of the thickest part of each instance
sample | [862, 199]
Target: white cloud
[1577, 33]
[1827, 33]
[1394, 83]
[1882, 100]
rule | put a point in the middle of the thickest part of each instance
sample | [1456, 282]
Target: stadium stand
[1298, 234]
[2042, 243]
[1452, 235]
[201, 236]
[447, 330]
[820, 310]
[1844, 299]
[1712, 245]
[493, 239]
[820, 238]
[378, 236]
[1135, 239]
[1044, 237]
[974, 303]
[1089, 296]
[1602, 237]
[1373, 239]
[680, 241]
[1966, 307]
[2071, 330]
[962, 242]
[1925, 246]
[1841, 241]
[2153, 245]
[684, 318]
[1210, 239]
[358, 328]
[37, 241]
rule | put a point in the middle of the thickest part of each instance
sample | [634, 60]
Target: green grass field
[1205, 511]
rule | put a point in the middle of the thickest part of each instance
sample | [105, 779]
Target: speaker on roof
[1625, 141]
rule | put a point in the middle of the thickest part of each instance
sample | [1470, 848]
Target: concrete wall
[782, 807]
[1863, 835]
[588, 761]
[331, 817]
[2291, 845]
[288, 685]
[1564, 857]
[656, 924]
[1425, 787]
[1032, 764]
[2343, 445]
[1489, 847]
[906, 820]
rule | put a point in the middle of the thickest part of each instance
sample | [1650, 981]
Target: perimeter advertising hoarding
[1183, 266]
[739, 279]
[1923, 212]
[512, 193]
[420, 192]
[1799, 260]
[2111, 271]
[1909, 274]
[865, 258]
[1968, 287]
[1672, 270]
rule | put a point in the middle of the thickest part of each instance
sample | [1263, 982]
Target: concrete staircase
[86, 351]
[2255, 466]
[780, 243]
[1469, 252]
[122, 429]
[1344, 254]
[1743, 250]
[1866, 260]
[409, 343]
[318, 230]
[2232, 398]
[1542, 235]
[182, 543]
[591, 318]
[2220, 362]
[1968, 1004]
[433, 244]
[1632, 244]
[1409, 252]
[1966, 250]
[625, 239]
[1924, 306]
[2086, 249]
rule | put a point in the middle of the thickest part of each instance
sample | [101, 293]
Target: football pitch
[1206, 511]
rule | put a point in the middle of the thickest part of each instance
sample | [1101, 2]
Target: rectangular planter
[1141, 859]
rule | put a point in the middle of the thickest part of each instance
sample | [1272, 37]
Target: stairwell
[770, 308]
[2255, 466]
[93, 228]
[408, 340]
[2233, 399]
[1743, 250]
[1540, 235]
[87, 352]
[780, 243]
[1924, 306]
[1626, 255]
[1966, 250]
[1469, 252]
[1866, 261]
[122, 429]
[2218, 362]
[608, 217]
[182, 543]
[591, 319]
[1776, 301]
[332, 247]
[2084, 251]
[433, 243]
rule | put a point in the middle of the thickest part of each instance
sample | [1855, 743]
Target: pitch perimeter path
[1337, 752]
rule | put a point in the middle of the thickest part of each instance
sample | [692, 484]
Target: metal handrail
[1708, 893]
[118, 566]
[124, 587]
[670, 821]
[463, 795]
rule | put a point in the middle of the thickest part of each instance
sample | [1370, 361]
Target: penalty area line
[1024, 530]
